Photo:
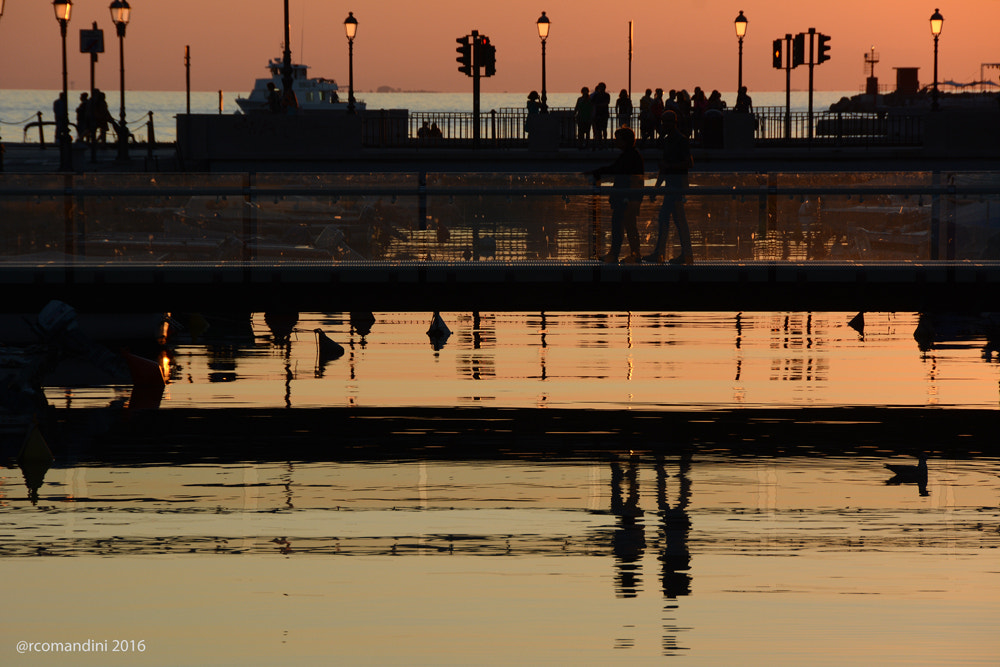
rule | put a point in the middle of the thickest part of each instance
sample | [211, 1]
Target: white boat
[313, 94]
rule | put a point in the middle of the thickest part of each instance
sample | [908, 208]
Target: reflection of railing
[915, 216]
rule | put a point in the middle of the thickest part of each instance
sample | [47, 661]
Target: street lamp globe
[937, 21]
[120, 12]
[741, 25]
[63, 9]
[543, 27]
[350, 26]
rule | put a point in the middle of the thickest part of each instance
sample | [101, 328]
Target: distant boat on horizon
[312, 93]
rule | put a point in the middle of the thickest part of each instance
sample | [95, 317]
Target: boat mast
[286, 65]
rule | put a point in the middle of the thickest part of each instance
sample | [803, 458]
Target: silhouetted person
[699, 105]
[61, 112]
[647, 124]
[273, 98]
[289, 101]
[743, 102]
[84, 116]
[583, 112]
[623, 109]
[656, 108]
[629, 171]
[601, 100]
[534, 107]
[683, 112]
[102, 115]
[715, 102]
[673, 174]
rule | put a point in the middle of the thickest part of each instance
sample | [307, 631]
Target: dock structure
[496, 286]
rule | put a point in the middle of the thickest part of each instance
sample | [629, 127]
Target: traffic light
[487, 57]
[823, 50]
[776, 54]
[799, 49]
[464, 55]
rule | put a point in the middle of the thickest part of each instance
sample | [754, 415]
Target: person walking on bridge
[629, 171]
[673, 173]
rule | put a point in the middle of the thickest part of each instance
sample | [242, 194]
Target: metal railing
[772, 126]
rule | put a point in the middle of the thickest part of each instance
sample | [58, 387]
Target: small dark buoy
[327, 347]
[438, 332]
[858, 323]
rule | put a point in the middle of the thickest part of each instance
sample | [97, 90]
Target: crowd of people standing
[693, 111]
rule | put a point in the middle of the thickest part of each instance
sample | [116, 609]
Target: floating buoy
[438, 332]
[327, 348]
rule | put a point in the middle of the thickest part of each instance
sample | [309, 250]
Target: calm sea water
[19, 107]
[541, 488]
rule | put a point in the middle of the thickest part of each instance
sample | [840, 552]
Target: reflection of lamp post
[350, 29]
[936, 22]
[741, 31]
[543, 33]
[63, 9]
[120, 12]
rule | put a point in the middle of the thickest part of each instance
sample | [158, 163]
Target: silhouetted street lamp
[350, 29]
[120, 12]
[63, 9]
[741, 31]
[936, 22]
[543, 33]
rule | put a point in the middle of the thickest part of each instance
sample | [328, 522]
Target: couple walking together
[629, 173]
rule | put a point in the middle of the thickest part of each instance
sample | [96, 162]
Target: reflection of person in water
[629, 540]
[675, 526]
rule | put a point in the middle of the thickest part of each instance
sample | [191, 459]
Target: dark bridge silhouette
[505, 286]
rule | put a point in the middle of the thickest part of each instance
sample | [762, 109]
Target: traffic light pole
[476, 55]
[812, 52]
[788, 86]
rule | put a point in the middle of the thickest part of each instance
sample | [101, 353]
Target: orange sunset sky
[411, 45]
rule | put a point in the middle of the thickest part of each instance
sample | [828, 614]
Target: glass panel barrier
[457, 217]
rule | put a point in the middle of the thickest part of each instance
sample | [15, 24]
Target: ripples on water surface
[698, 485]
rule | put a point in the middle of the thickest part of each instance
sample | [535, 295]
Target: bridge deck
[504, 286]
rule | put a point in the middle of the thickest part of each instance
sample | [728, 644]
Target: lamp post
[120, 12]
[936, 22]
[741, 31]
[543, 34]
[63, 9]
[350, 29]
